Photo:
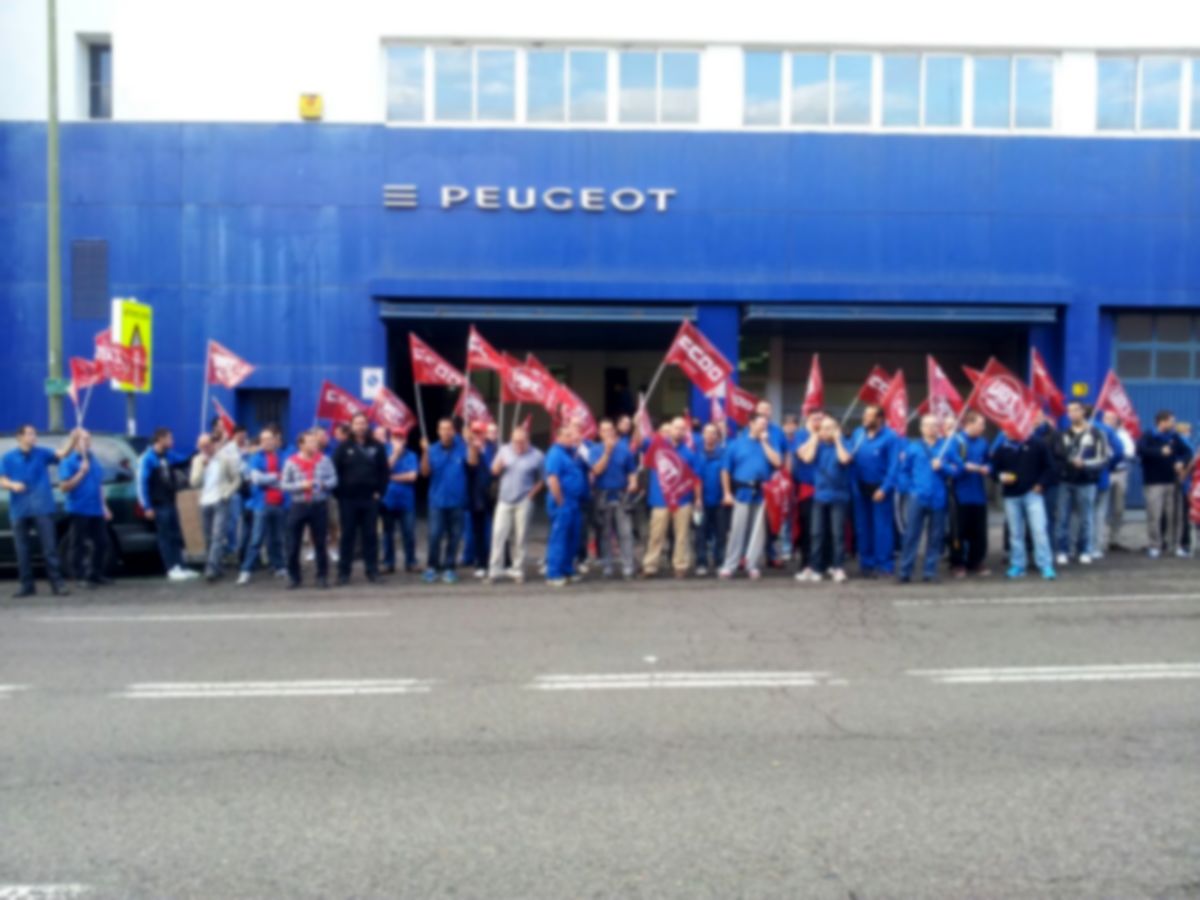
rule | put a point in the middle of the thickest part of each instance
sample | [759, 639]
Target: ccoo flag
[429, 368]
[700, 361]
[391, 412]
[336, 404]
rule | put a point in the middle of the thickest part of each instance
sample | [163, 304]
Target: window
[809, 100]
[588, 86]
[852, 88]
[680, 87]
[993, 92]
[659, 87]
[1196, 94]
[763, 98]
[943, 90]
[1165, 346]
[546, 69]
[902, 90]
[1116, 93]
[452, 84]
[89, 279]
[639, 84]
[1159, 94]
[495, 85]
[99, 81]
[405, 84]
[1035, 92]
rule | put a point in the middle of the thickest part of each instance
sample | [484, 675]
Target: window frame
[1181, 109]
[1154, 346]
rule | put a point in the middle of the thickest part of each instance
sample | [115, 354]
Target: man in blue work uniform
[750, 461]
[714, 513]
[81, 479]
[969, 554]
[926, 464]
[614, 473]
[875, 449]
[445, 465]
[804, 475]
[25, 474]
[398, 507]
[565, 488]
[663, 520]
[831, 463]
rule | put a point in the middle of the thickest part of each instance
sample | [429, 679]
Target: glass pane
[1115, 85]
[1133, 363]
[495, 89]
[852, 89]
[763, 101]
[639, 78]
[943, 90]
[1173, 364]
[452, 84]
[680, 87]
[902, 90]
[992, 91]
[406, 84]
[1173, 329]
[1035, 93]
[1135, 329]
[589, 85]
[810, 89]
[544, 94]
[1196, 94]
[1160, 92]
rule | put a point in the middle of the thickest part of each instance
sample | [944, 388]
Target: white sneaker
[1061, 559]
[701, 571]
[190, 574]
[281, 573]
[481, 573]
[1085, 559]
[1098, 555]
[179, 573]
[333, 555]
[1154, 553]
[807, 575]
[243, 578]
[310, 556]
[839, 575]
[1182, 554]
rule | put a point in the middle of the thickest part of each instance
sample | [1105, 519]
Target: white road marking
[208, 690]
[159, 618]
[7, 690]
[650, 680]
[41, 891]
[1030, 674]
[1048, 600]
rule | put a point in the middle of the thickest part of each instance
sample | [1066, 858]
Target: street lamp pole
[53, 250]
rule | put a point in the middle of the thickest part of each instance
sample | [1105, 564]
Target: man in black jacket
[361, 463]
[1165, 457]
[1024, 469]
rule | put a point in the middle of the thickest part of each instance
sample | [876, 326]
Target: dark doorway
[618, 393]
[259, 407]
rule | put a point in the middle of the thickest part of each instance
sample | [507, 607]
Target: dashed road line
[226, 690]
[672, 680]
[7, 690]
[189, 618]
[1042, 674]
[41, 891]
[1047, 600]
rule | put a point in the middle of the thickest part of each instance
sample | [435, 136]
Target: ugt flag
[876, 385]
[1004, 399]
[571, 408]
[700, 361]
[224, 367]
[1043, 386]
[814, 390]
[429, 368]
[391, 412]
[675, 477]
[472, 408]
[1113, 398]
[523, 383]
[337, 405]
[945, 402]
[481, 354]
[550, 404]
[895, 404]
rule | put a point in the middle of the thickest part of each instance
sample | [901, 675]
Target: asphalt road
[674, 739]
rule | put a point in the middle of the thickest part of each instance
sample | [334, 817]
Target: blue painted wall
[273, 238]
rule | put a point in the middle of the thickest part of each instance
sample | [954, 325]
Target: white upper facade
[1054, 67]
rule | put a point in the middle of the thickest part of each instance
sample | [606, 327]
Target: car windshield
[117, 458]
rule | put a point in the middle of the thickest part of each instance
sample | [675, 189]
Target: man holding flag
[614, 471]
[750, 461]
[925, 465]
[565, 488]
[671, 493]
[875, 449]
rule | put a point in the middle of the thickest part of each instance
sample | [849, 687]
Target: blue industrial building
[276, 241]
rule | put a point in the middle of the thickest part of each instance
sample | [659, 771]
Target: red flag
[116, 361]
[716, 411]
[337, 405]
[391, 412]
[1114, 398]
[429, 368]
[571, 408]
[1005, 399]
[874, 387]
[814, 391]
[472, 408]
[528, 384]
[528, 423]
[895, 404]
[225, 367]
[973, 375]
[675, 477]
[550, 404]
[1194, 499]
[85, 373]
[945, 401]
[777, 499]
[227, 422]
[1042, 385]
[641, 420]
[481, 354]
[739, 404]
[698, 358]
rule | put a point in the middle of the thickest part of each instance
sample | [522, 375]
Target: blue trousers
[875, 533]
[920, 519]
[268, 527]
[1028, 509]
[406, 519]
[565, 525]
[445, 528]
[169, 535]
[44, 526]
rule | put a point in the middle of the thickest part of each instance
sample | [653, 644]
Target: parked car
[130, 533]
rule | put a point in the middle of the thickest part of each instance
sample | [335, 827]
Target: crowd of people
[900, 506]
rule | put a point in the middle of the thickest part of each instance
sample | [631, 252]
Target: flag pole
[204, 396]
[850, 411]
[420, 408]
[654, 382]
[87, 399]
[958, 420]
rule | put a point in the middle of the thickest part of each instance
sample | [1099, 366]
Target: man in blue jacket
[749, 462]
[875, 449]
[969, 555]
[156, 490]
[81, 479]
[566, 485]
[267, 503]
[444, 463]
[926, 464]
[614, 470]
[1165, 457]
[714, 514]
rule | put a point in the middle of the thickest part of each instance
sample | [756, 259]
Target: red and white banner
[224, 367]
[641, 420]
[944, 400]
[675, 477]
[1041, 383]
[814, 390]
[86, 373]
[778, 496]
[116, 361]
[337, 405]
[391, 412]
[571, 408]
[973, 375]
[227, 422]
[689, 437]
[739, 404]
[1194, 498]
[1114, 398]
[471, 407]
[895, 404]
[481, 354]
[550, 404]
[876, 385]
[1005, 399]
[523, 383]
[699, 360]
[429, 368]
